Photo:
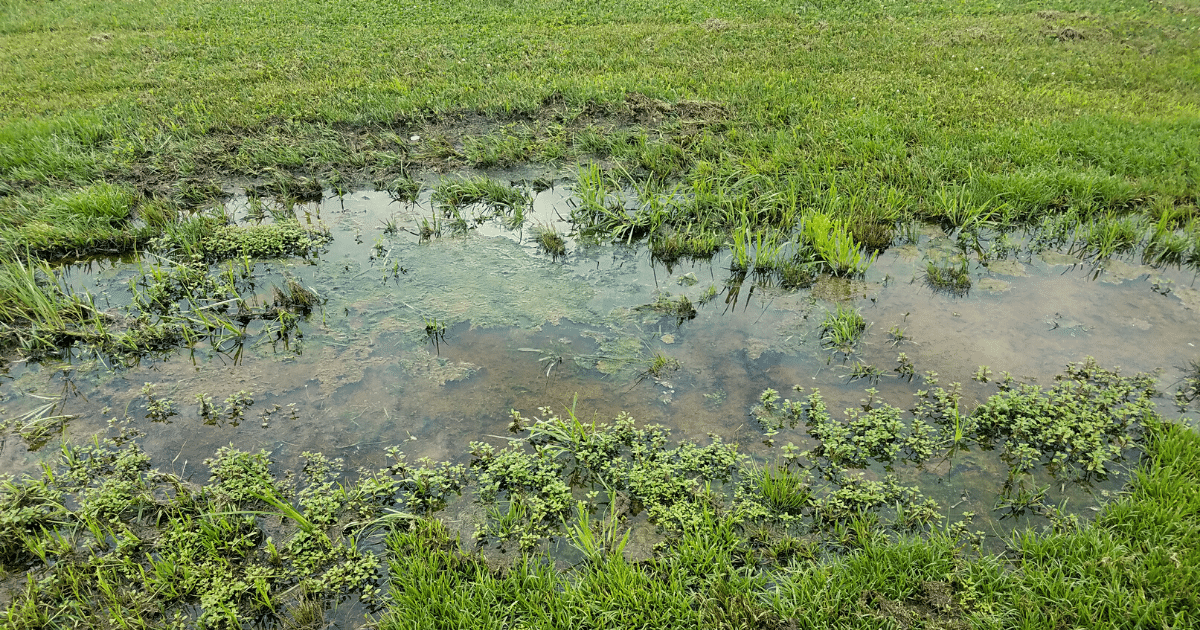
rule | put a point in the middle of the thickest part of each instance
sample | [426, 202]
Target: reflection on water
[525, 331]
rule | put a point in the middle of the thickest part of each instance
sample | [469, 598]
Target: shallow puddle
[523, 329]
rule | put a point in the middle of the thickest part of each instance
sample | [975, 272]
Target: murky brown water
[525, 331]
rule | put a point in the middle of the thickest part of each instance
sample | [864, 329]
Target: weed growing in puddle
[842, 328]
[158, 409]
[948, 277]
[906, 368]
[680, 307]
[400, 189]
[549, 240]
[1189, 388]
[659, 366]
[478, 190]
[865, 371]
[1081, 425]
[435, 329]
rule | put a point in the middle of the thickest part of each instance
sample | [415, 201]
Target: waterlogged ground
[428, 343]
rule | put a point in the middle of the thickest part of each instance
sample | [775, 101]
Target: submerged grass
[948, 277]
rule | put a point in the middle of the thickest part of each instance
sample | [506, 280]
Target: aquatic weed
[950, 278]
[549, 240]
[680, 307]
[1189, 387]
[1081, 425]
[659, 366]
[842, 328]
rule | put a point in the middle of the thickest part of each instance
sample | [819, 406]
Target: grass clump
[479, 190]
[549, 240]
[687, 245]
[842, 328]
[948, 277]
[659, 366]
[403, 188]
[294, 296]
[678, 306]
[835, 246]
[783, 490]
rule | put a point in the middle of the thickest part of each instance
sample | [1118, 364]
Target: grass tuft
[842, 328]
[549, 240]
[948, 277]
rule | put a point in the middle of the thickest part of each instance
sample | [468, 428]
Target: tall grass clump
[38, 313]
[1109, 235]
[833, 244]
[478, 190]
[549, 240]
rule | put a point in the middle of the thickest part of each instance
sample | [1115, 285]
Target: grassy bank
[804, 138]
[1048, 105]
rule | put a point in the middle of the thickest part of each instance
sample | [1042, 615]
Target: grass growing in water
[948, 277]
[481, 190]
[237, 550]
[659, 366]
[549, 240]
[842, 328]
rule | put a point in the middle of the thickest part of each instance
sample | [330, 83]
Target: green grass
[796, 135]
[806, 131]
[843, 328]
[254, 546]
[948, 277]
[549, 240]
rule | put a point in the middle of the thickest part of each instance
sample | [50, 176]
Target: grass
[1189, 388]
[801, 158]
[954, 279]
[659, 366]
[842, 328]
[697, 126]
[478, 190]
[549, 240]
[101, 526]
